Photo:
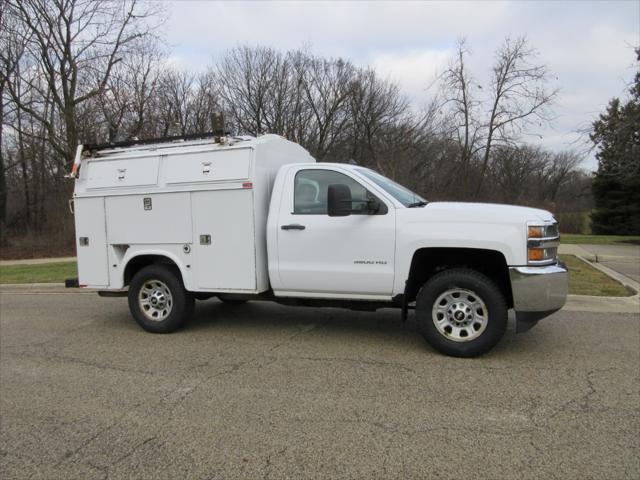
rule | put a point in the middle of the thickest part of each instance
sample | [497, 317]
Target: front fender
[506, 239]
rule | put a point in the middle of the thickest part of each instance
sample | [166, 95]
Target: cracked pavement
[267, 391]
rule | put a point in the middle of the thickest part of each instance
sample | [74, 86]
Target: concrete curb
[36, 261]
[610, 258]
[589, 303]
[40, 288]
[623, 279]
[576, 250]
[594, 260]
[579, 251]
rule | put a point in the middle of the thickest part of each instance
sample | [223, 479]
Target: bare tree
[113, 103]
[263, 91]
[298, 95]
[326, 87]
[175, 90]
[144, 68]
[462, 110]
[11, 51]
[513, 168]
[559, 170]
[248, 79]
[73, 47]
[73, 73]
[376, 108]
[517, 96]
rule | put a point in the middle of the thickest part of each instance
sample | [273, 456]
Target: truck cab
[248, 218]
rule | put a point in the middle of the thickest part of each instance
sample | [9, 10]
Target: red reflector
[247, 185]
[82, 286]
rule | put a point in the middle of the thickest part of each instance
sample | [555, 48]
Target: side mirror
[339, 200]
[373, 206]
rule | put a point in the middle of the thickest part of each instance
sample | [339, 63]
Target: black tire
[160, 279]
[482, 329]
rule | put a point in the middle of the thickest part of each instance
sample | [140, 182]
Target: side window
[311, 186]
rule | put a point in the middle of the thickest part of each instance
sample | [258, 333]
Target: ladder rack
[94, 147]
[218, 137]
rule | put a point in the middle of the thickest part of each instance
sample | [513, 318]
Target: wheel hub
[460, 315]
[155, 300]
[158, 299]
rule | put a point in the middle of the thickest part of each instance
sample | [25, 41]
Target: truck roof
[185, 165]
[175, 145]
[328, 164]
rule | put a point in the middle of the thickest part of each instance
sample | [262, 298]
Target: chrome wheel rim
[460, 315]
[155, 300]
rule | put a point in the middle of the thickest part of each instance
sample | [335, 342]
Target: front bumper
[537, 292]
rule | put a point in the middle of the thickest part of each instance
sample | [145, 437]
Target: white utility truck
[245, 218]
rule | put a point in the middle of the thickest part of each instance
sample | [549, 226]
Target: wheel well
[141, 261]
[427, 262]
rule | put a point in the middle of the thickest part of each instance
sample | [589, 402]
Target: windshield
[397, 191]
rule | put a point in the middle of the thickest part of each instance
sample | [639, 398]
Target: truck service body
[247, 218]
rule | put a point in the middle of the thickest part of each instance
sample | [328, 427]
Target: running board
[113, 293]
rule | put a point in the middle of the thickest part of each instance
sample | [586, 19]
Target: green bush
[617, 205]
[574, 222]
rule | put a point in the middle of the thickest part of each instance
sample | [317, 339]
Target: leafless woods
[78, 71]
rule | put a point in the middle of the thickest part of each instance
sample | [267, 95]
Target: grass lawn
[600, 239]
[39, 273]
[586, 280]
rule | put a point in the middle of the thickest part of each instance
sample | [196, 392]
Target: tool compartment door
[91, 242]
[223, 239]
[136, 172]
[226, 165]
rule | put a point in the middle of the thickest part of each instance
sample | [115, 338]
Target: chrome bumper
[537, 292]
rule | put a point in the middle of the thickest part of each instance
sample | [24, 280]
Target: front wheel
[461, 312]
[158, 300]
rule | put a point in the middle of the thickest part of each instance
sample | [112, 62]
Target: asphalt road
[266, 391]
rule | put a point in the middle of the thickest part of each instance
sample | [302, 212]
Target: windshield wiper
[421, 203]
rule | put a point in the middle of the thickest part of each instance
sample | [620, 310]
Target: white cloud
[414, 71]
[334, 28]
[587, 45]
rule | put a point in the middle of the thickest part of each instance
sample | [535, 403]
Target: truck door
[91, 242]
[318, 254]
[225, 257]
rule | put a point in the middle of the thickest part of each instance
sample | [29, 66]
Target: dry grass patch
[586, 280]
[40, 273]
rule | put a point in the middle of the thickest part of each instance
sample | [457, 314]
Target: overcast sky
[588, 45]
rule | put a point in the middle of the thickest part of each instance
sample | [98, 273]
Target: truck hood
[477, 213]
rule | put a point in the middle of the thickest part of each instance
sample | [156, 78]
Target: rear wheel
[158, 300]
[461, 312]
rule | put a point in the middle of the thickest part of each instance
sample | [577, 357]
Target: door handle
[293, 226]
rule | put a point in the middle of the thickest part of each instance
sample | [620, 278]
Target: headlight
[536, 232]
[542, 243]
